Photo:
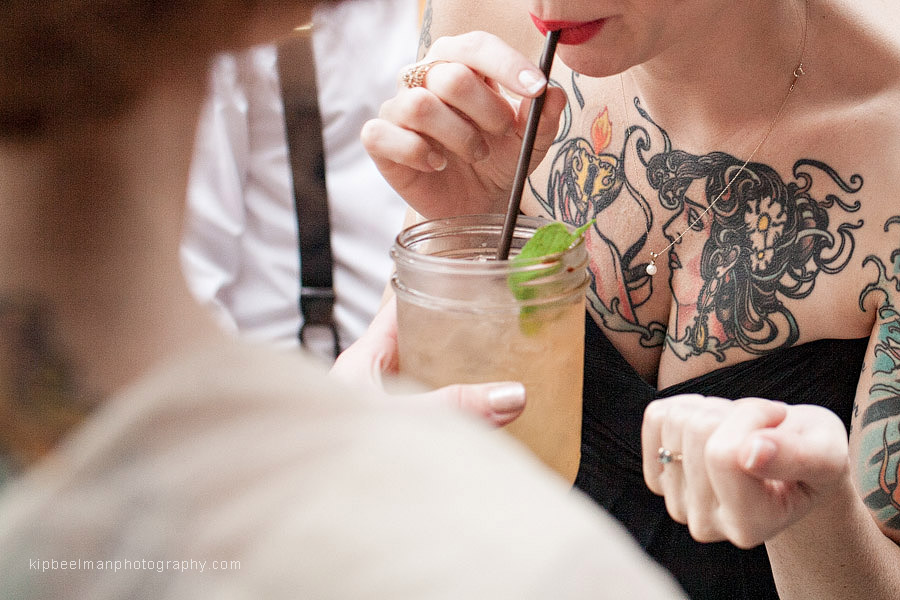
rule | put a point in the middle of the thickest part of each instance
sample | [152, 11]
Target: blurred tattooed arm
[39, 399]
[453, 17]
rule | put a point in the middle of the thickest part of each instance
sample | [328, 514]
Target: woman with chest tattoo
[738, 160]
[146, 454]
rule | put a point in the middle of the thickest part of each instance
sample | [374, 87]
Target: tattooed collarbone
[766, 239]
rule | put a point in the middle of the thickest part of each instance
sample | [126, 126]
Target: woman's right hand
[451, 146]
[374, 356]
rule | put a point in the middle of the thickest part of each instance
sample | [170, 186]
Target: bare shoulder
[848, 110]
[856, 47]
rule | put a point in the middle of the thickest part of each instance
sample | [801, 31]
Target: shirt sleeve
[215, 219]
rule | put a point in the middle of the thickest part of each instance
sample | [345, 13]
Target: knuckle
[386, 107]
[653, 483]
[676, 510]
[742, 540]
[371, 133]
[456, 80]
[701, 423]
[751, 402]
[720, 450]
[454, 395]
[702, 525]
[653, 479]
[440, 46]
[472, 41]
[734, 529]
[418, 106]
[655, 411]
[678, 419]
[458, 397]
[702, 530]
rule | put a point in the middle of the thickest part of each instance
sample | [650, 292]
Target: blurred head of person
[64, 62]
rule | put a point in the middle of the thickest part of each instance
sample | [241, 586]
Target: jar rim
[484, 224]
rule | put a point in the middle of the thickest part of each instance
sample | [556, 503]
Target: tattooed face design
[765, 241]
[752, 240]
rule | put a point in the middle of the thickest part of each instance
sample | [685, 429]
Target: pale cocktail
[467, 318]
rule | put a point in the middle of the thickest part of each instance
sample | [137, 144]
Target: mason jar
[465, 317]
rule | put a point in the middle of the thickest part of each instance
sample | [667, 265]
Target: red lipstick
[571, 32]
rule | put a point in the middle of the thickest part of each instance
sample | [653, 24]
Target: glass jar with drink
[465, 317]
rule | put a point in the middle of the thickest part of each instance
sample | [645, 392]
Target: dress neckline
[692, 383]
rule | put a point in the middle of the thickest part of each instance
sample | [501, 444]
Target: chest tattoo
[764, 241]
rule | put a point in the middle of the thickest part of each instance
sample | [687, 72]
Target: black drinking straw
[534, 115]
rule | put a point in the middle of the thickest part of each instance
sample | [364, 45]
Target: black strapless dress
[823, 372]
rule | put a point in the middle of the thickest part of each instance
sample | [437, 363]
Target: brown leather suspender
[296, 69]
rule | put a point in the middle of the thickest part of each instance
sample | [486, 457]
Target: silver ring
[665, 457]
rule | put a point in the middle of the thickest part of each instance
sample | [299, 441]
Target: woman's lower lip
[674, 261]
[571, 33]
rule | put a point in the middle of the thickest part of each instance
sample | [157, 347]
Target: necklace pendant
[651, 266]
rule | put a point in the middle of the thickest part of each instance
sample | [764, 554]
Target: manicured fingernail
[532, 81]
[507, 397]
[761, 449]
[437, 161]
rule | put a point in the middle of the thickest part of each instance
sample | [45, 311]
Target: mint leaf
[552, 238]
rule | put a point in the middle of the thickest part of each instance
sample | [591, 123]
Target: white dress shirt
[240, 246]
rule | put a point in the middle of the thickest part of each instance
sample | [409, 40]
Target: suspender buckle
[317, 307]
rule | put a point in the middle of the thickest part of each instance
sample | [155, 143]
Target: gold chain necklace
[798, 71]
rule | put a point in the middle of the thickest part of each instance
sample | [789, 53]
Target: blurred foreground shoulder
[404, 501]
[305, 489]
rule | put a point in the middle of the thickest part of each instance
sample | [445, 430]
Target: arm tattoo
[38, 400]
[425, 40]
[879, 424]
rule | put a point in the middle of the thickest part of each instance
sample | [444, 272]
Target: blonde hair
[66, 60]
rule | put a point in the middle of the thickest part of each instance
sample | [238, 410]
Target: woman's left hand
[741, 470]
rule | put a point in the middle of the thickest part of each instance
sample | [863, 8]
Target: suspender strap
[296, 70]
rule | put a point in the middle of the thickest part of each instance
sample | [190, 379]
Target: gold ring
[665, 457]
[414, 75]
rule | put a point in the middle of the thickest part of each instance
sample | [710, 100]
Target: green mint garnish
[552, 238]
